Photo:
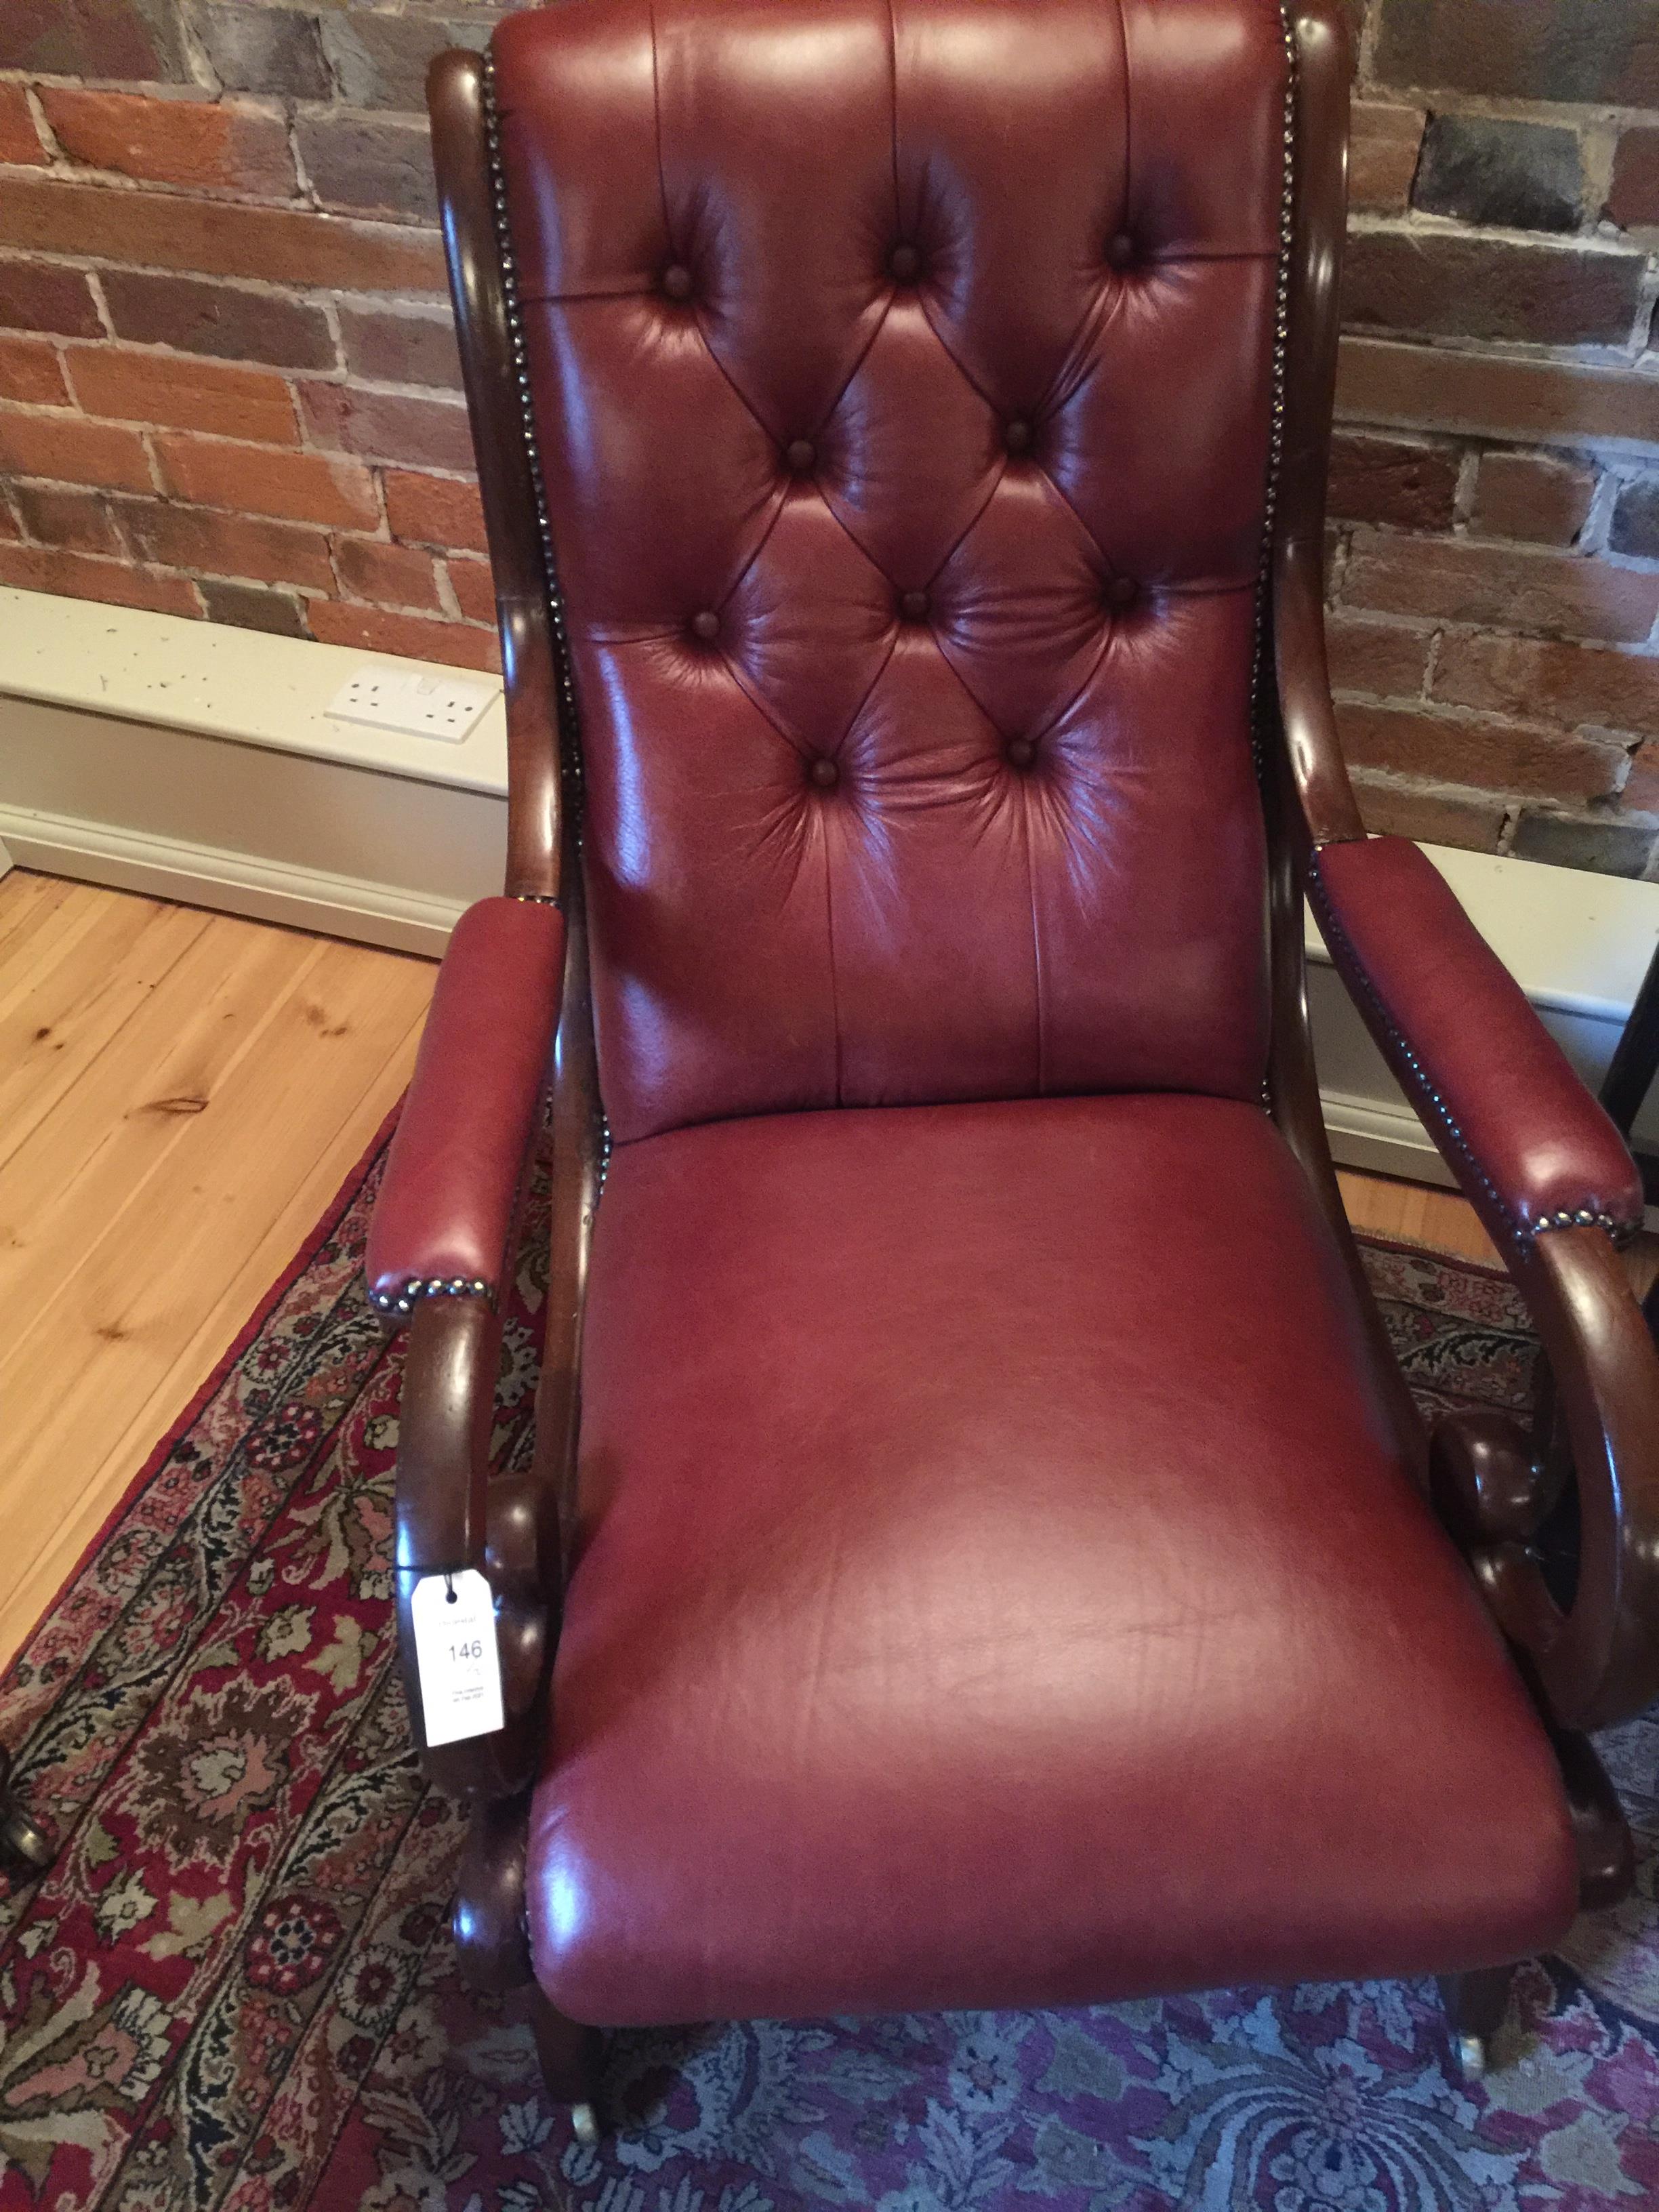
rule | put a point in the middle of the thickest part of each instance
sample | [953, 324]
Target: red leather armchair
[991, 1557]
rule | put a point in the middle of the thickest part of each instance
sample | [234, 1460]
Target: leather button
[1021, 752]
[904, 263]
[824, 773]
[913, 605]
[1122, 592]
[677, 280]
[1121, 251]
[706, 625]
[1016, 436]
[800, 453]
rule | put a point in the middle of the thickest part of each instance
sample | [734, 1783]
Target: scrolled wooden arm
[450, 1515]
[1595, 1659]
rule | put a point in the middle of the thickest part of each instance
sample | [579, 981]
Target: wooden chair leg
[1475, 2006]
[570, 2056]
[25, 1848]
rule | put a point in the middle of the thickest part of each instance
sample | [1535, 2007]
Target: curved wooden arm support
[492, 1937]
[450, 1515]
[1596, 1661]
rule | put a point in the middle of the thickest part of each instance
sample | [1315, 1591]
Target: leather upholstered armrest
[1530, 1147]
[446, 1208]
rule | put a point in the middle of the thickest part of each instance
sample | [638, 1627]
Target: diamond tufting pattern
[907, 500]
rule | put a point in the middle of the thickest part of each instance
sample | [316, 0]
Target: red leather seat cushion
[998, 1588]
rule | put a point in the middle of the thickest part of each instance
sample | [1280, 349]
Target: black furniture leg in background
[1630, 1077]
[1634, 1065]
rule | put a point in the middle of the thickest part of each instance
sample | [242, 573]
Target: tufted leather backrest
[902, 377]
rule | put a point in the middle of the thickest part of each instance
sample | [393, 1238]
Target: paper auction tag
[455, 1655]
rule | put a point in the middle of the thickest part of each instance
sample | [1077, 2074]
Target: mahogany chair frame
[1597, 1431]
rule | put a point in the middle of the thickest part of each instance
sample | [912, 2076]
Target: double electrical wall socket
[447, 707]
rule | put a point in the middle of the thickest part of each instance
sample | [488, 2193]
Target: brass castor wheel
[1471, 2056]
[25, 1849]
[585, 2125]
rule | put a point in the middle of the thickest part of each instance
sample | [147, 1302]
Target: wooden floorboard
[181, 1093]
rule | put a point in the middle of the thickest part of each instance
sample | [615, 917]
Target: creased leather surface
[1524, 1136]
[901, 379]
[446, 1206]
[996, 1588]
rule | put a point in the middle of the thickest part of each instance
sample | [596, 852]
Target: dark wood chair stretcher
[972, 1489]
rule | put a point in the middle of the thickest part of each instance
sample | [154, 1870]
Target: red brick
[11, 529]
[1528, 497]
[1633, 200]
[197, 395]
[29, 372]
[435, 511]
[227, 321]
[1448, 286]
[1575, 686]
[390, 575]
[257, 480]
[388, 426]
[218, 238]
[1479, 750]
[1552, 402]
[1379, 657]
[1388, 480]
[1433, 814]
[1499, 588]
[475, 590]
[20, 141]
[78, 576]
[172, 142]
[228, 545]
[35, 297]
[1382, 157]
[393, 348]
[69, 451]
[78, 521]
[455, 644]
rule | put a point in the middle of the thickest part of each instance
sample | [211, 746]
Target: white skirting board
[197, 763]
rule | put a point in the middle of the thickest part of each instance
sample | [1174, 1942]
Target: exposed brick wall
[1495, 501]
[227, 386]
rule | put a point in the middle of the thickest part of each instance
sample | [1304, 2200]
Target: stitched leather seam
[1340, 941]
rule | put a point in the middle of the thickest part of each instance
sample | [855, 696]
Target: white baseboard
[1382, 1138]
[231, 882]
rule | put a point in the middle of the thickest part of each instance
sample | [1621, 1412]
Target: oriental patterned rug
[235, 1988]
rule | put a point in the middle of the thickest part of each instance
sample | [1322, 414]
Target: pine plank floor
[181, 1093]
